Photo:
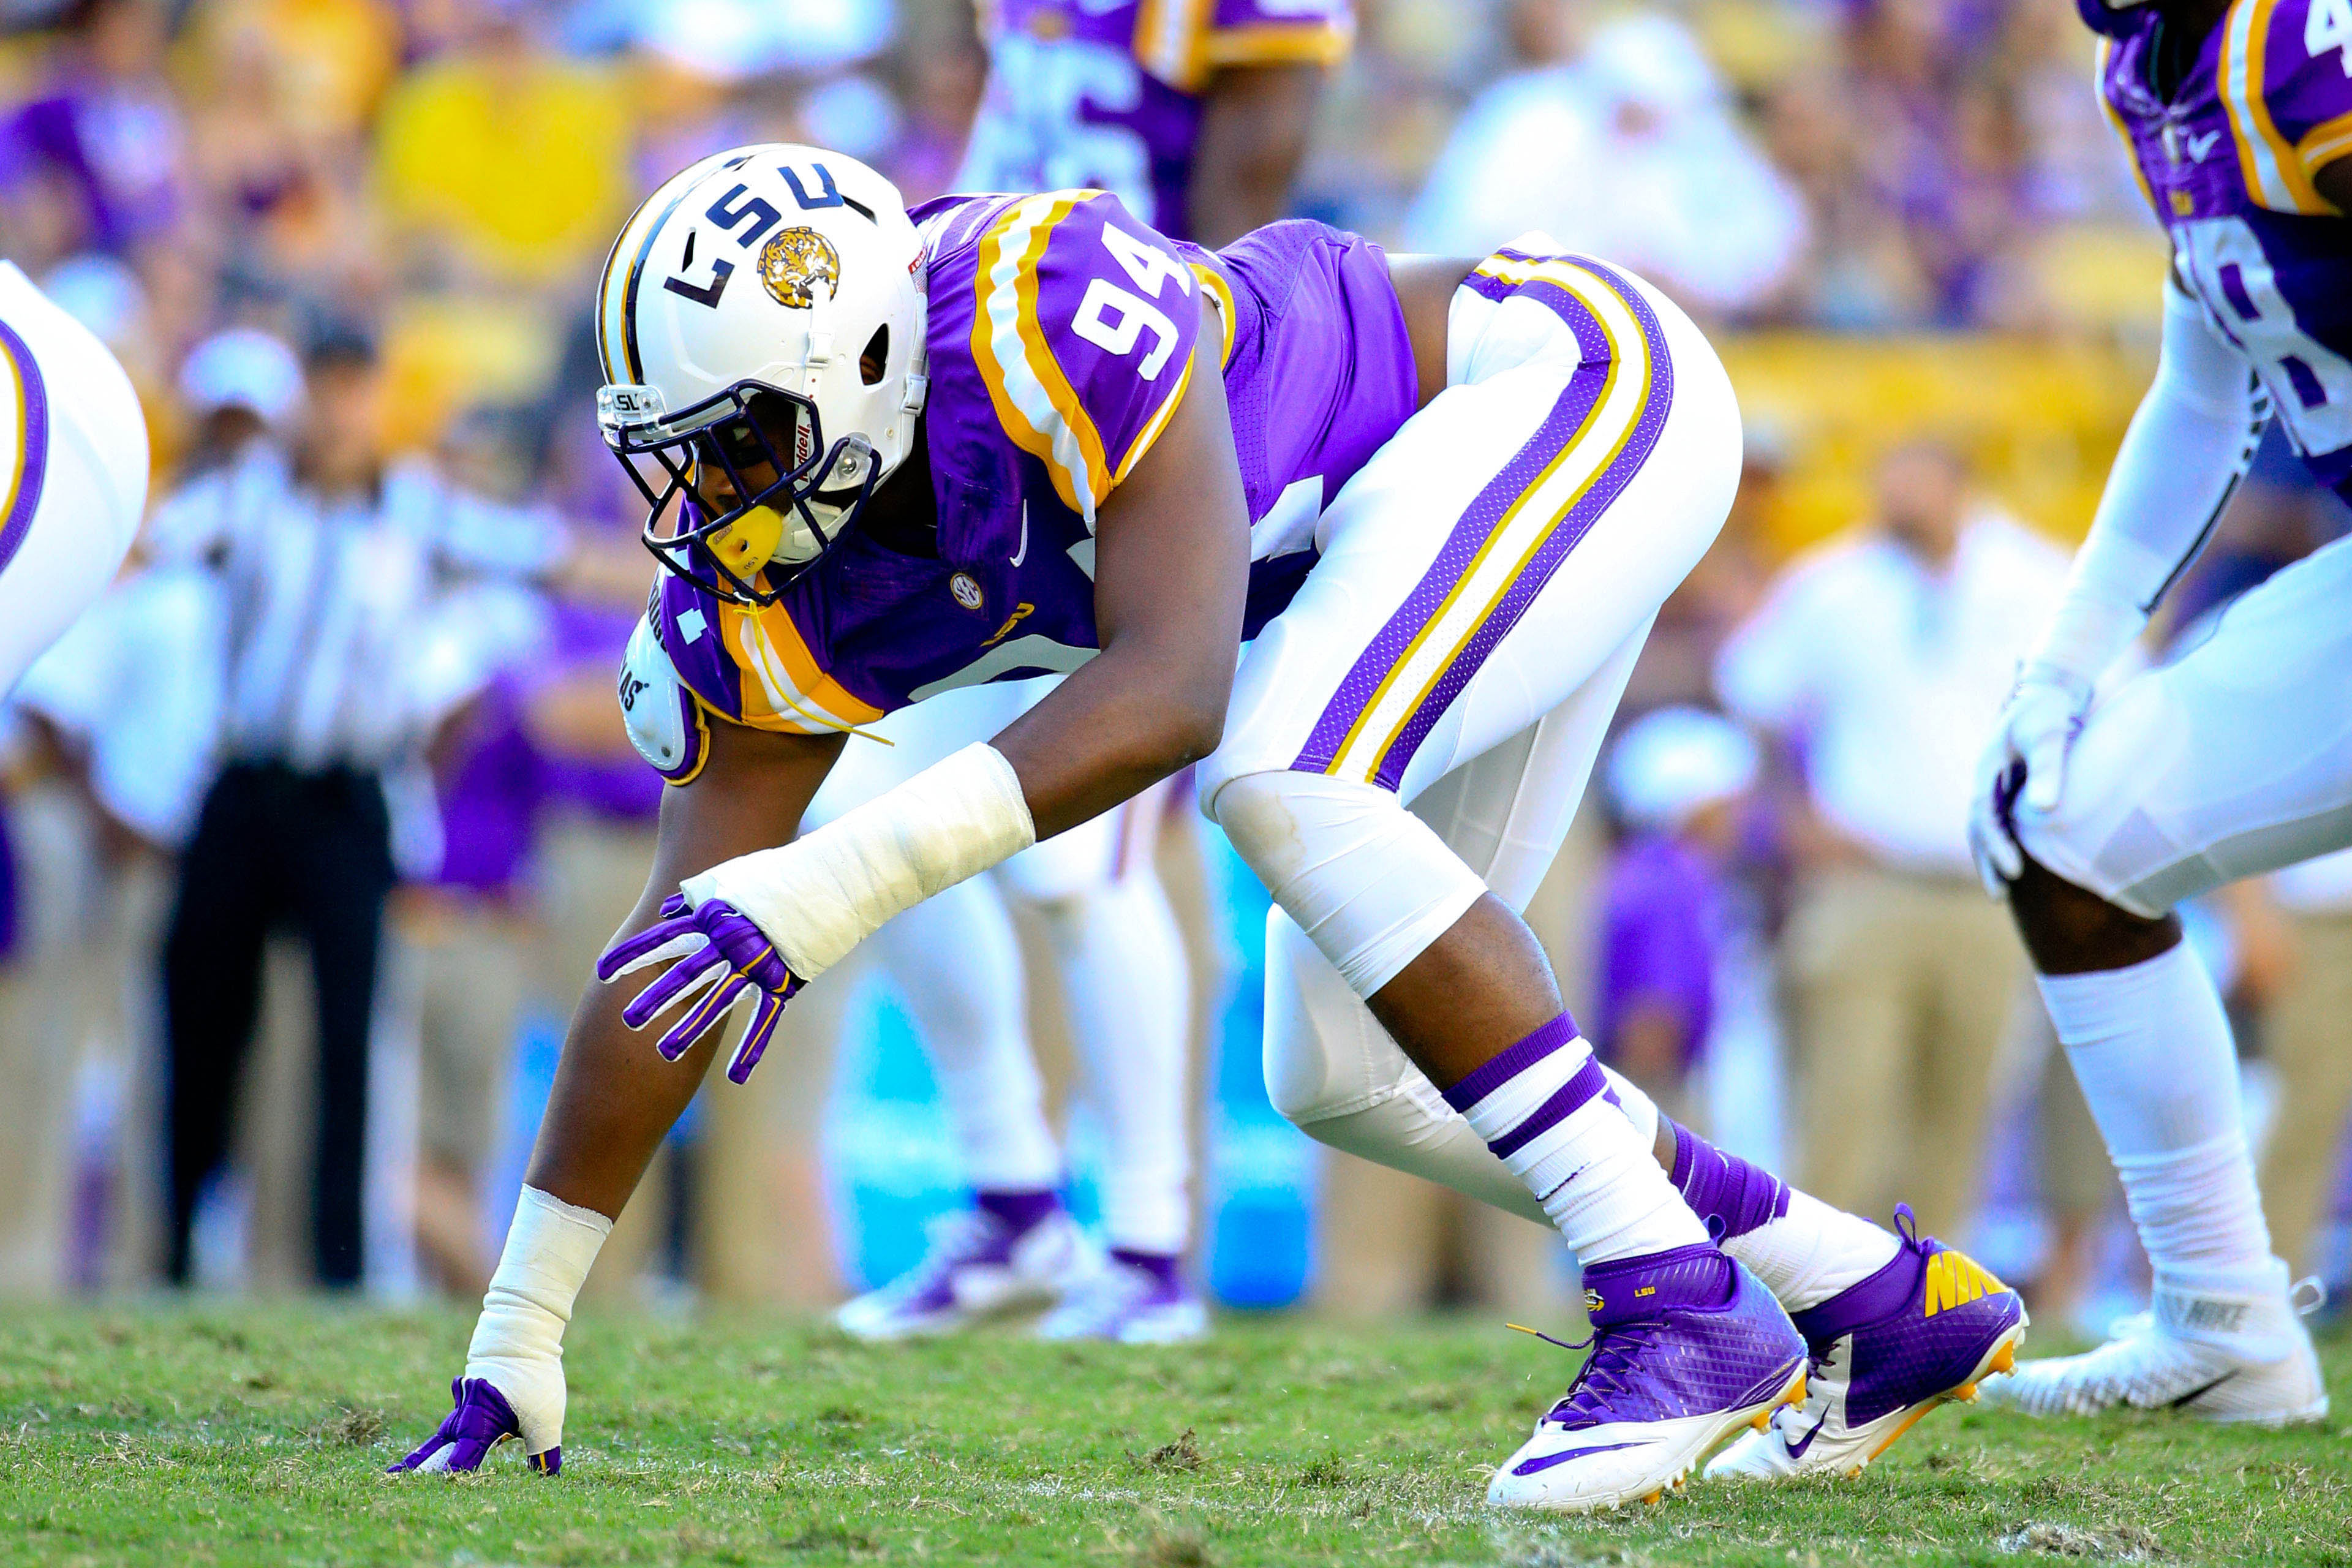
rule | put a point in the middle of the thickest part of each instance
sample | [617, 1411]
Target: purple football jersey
[2227, 162]
[1062, 335]
[1087, 94]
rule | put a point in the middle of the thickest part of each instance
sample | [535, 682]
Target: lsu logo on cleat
[1954, 1280]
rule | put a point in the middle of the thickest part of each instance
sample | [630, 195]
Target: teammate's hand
[482, 1420]
[713, 945]
[2024, 765]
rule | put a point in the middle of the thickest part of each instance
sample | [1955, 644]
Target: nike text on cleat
[1687, 1349]
[482, 1421]
[977, 1268]
[2238, 1356]
[1924, 1329]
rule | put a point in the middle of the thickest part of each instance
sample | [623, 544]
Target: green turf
[257, 1434]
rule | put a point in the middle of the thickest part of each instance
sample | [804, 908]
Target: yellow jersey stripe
[795, 693]
[1034, 400]
[1158, 422]
[1324, 43]
[2272, 172]
[2323, 144]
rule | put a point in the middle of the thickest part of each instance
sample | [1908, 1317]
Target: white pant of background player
[73, 470]
[1127, 990]
[1338, 713]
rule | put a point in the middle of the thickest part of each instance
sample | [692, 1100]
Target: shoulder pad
[665, 723]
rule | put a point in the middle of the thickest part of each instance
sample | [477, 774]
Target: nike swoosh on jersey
[1548, 1460]
[1021, 553]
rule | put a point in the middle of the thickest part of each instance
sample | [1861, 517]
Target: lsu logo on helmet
[795, 262]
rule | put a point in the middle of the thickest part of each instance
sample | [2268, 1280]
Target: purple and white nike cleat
[1688, 1348]
[1136, 1299]
[1923, 1330]
[482, 1420]
[978, 1265]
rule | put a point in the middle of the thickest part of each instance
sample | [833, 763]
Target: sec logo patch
[965, 590]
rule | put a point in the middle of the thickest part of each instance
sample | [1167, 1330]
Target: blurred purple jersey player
[2226, 143]
[887, 455]
[2096, 812]
[1193, 112]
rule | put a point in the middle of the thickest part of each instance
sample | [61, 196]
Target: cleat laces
[1610, 1370]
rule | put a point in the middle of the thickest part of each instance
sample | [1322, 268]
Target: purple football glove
[718, 950]
[482, 1421]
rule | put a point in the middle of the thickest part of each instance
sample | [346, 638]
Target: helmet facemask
[786, 496]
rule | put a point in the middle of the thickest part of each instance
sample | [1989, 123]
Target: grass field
[257, 1435]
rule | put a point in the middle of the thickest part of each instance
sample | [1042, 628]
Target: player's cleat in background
[2216, 1355]
[482, 1421]
[1926, 1329]
[1131, 1300]
[977, 1266]
[1688, 1348]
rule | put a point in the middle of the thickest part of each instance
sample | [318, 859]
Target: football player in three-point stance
[73, 471]
[889, 454]
[1195, 117]
[2096, 820]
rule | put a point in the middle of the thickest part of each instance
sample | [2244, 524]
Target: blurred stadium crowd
[346, 249]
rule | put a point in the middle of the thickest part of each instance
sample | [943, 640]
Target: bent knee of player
[2069, 929]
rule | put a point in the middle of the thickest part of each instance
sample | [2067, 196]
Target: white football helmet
[761, 318]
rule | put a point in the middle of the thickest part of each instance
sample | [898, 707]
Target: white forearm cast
[822, 895]
[517, 1340]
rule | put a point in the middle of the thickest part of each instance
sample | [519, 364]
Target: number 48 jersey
[2227, 162]
[1105, 93]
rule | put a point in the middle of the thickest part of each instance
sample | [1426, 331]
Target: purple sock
[1020, 1212]
[1165, 1267]
[1731, 1195]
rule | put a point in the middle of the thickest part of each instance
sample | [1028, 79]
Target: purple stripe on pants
[34, 463]
[1560, 429]
[1567, 421]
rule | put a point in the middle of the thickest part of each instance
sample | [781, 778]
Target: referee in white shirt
[337, 669]
[1882, 657]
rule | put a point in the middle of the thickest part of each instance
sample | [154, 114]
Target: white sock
[518, 1342]
[1542, 1108]
[958, 965]
[1812, 1252]
[1130, 994]
[2151, 1047]
[1799, 1247]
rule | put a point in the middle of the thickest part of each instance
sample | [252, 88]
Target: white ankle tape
[822, 895]
[517, 1340]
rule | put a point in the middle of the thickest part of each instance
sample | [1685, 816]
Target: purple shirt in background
[488, 808]
[1658, 946]
[119, 146]
[622, 785]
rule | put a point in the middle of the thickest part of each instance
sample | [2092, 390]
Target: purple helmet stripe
[26, 481]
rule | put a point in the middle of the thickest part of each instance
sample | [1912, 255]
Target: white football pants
[1485, 584]
[73, 470]
[2235, 760]
[1121, 960]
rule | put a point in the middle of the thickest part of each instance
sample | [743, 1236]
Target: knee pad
[1369, 882]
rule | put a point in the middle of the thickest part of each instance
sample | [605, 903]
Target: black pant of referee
[274, 847]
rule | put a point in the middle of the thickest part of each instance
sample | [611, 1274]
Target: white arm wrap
[2187, 448]
[821, 895]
